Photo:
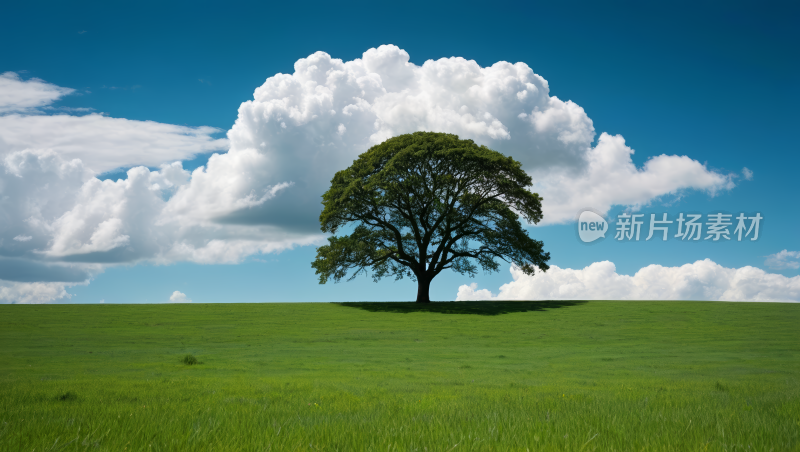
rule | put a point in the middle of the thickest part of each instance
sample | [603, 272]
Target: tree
[424, 202]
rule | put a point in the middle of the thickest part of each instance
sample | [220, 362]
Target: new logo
[591, 226]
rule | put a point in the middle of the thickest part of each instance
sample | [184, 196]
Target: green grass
[573, 376]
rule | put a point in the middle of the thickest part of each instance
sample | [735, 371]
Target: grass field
[521, 376]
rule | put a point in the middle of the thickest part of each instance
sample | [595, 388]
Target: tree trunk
[423, 287]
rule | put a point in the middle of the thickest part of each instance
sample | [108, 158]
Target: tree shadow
[462, 307]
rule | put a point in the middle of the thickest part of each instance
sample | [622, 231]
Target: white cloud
[31, 293]
[77, 218]
[748, 175]
[34, 190]
[78, 224]
[179, 297]
[702, 280]
[17, 95]
[303, 127]
[472, 293]
[612, 178]
[103, 143]
[783, 260]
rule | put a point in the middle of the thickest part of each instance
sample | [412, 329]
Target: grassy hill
[377, 376]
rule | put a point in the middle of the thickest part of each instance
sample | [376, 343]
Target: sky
[177, 152]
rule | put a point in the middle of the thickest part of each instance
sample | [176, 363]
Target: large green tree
[424, 202]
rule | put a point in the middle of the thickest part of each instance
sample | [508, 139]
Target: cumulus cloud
[31, 293]
[783, 260]
[34, 190]
[303, 127]
[747, 174]
[702, 280]
[611, 178]
[179, 297]
[17, 95]
[263, 194]
[74, 218]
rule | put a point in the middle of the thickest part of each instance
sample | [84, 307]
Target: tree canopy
[425, 202]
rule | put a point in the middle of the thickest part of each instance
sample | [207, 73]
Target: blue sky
[715, 82]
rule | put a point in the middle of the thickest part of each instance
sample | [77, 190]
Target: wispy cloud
[123, 88]
[90, 137]
[25, 96]
[783, 260]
